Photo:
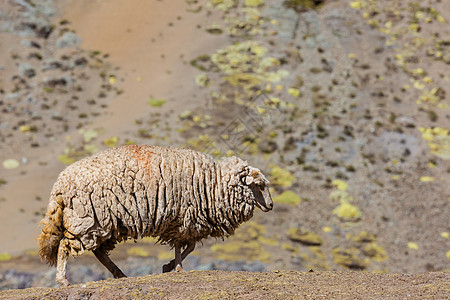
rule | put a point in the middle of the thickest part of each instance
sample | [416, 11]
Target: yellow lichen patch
[245, 65]
[287, 197]
[304, 236]
[340, 184]
[112, 79]
[111, 142]
[289, 247]
[362, 237]
[203, 143]
[243, 79]
[445, 235]
[238, 58]
[156, 102]
[428, 79]
[281, 177]
[327, 229]
[433, 96]
[240, 250]
[413, 246]
[24, 128]
[10, 163]
[294, 92]
[375, 252]
[214, 29]
[318, 260]
[349, 258]
[223, 5]
[202, 80]
[426, 179]
[5, 256]
[138, 251]
[267, 241]
[347, 212]
[447, 254]
[250, 231]
[254, 3]
[89, 134]
[438, 141]
[246, 244]
[66, 159]
[252, 15]
[90, 148]
[357, 4]
[340, 196]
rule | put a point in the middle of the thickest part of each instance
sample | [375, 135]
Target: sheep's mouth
[263, 208]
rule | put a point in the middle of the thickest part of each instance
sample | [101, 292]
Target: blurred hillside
[342, 104]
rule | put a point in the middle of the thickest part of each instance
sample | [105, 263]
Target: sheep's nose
[270, 205]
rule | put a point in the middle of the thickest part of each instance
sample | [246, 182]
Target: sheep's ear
[249, 180]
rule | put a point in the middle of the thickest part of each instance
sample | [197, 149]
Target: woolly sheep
[178, 195]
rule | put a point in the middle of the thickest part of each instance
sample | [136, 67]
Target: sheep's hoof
[167, 268]
[179, 268]
[63, 282]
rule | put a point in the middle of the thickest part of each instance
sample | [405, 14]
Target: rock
[207, 267]
[30, 44]
[37, 27]
[25, 4]
[12, 279]
[268, 146]
[85, 274]
[68, 39]
[45, 278]
[52, 65]
[394, 144]
[288, 20]
[27, 70]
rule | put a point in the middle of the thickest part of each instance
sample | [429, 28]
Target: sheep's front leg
[178, 259]
[61, 264]
[173, 264]
[108, 263]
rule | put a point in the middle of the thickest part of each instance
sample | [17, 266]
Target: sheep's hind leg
[173, 264]
[61, 264]
[108, 263]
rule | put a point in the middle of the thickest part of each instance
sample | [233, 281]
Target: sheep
[180, 196]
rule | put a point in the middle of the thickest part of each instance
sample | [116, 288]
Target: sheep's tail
[52, 231]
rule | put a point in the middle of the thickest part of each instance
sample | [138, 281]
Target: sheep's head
[255, 185]
[259, 187]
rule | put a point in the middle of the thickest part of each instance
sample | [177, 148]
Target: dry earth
[343, 104]
[246, 285]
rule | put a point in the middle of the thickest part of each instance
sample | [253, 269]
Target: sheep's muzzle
[263, 199]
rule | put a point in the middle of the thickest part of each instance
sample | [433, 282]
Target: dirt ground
[342, 104]
[246, 285]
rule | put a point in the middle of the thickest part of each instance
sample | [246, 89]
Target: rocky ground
[343, 104]
[247, 285]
